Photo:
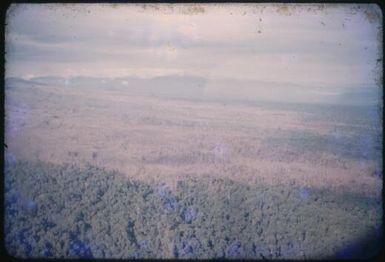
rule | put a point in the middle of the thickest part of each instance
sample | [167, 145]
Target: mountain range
[201, 88]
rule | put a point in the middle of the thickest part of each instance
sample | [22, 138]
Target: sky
[304, 45]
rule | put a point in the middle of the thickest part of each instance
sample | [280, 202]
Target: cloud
[335, 46]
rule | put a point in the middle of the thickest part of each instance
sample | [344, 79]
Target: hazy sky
[303, 45]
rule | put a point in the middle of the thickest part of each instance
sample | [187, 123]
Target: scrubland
[107, 174]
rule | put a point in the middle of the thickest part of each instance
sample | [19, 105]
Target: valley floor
[226, 180]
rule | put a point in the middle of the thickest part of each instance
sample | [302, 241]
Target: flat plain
[162, 177]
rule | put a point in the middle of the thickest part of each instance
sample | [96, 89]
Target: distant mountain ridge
[201, 88]
[15, 81]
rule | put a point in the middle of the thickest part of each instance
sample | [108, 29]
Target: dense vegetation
[72, 212]
[360, 146]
